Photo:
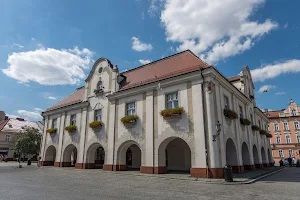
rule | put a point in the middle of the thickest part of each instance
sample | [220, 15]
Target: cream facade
[157, 144]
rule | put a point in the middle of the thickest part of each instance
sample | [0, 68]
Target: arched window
[99, 85]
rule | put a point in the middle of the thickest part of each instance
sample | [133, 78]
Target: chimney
[2, 115]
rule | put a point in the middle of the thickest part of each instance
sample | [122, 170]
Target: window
[280, 153]
[288, 139]
[296, 125]
[54, 123]
[172, 100]
[259, 124]
[278, 139]
[97, 115]
[99, 85]
[285, 126]
[251, 118]
[7, 138]
[298, 138]
[241, 112]
[130, 109]
[294, 112]
[291, 153]
[73, 120]
[226, 102]
[276, 127]
[100, 70]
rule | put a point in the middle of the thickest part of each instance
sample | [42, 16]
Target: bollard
[228, 173]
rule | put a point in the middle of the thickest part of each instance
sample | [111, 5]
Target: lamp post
[218, 129]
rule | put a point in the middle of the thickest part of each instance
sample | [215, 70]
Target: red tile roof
[74, 98]
[234, 78]
[180, 63]
[177, 64]
[272, 114]
[3, 123]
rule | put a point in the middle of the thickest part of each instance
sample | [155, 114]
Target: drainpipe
[115, 114]
[153, 133]
[205, 127]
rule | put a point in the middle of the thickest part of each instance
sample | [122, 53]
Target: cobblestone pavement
[49, 183]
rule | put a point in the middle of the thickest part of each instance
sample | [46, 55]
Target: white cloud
[280, 93]
[213, 29]
[33, 39]
[137, 45]
[265, 88]
[38, 109]
[17, 45]
[155, 6]
[51, 97]
[30, 114]
[49, 66]
[276, 69]
[285, 25]
[144, 62]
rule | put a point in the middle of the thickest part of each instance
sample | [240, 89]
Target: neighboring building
[9, 128]
[152, 143]
[285, 129]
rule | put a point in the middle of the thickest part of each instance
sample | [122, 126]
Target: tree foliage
[28, 141]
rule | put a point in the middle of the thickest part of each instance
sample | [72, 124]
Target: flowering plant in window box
[230, 114]
[95, 124]
[51, 130]
[129, 119]
[255, 128]
[269, 135]
[168, 112]
[71, 128]
[245, 121]
[263, 132]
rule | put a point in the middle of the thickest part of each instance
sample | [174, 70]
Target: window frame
[278, 141]
[96, 115]
[226, 102]
[276, 127]
[172, 100]
[241, 112]
[291, 152]
[280, 153]
[98, 84]
[73, 120]
[288, 139]
[296, 127]
[294, 112]
[54, 123]
[8, 136]
[298, 138]
[130, 110]
[284, 127]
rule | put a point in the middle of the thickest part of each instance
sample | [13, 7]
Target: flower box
[230, 114]
[169, 112]
[245, 121]
[51, 130]
[255, 128]
[129, 119]
[263, 132]
[95, 124]
[71, 128]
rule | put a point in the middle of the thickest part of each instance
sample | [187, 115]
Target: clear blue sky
[48, 47]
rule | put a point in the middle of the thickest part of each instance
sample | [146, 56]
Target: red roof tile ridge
[163, 59]
[234, 78]
[178, 72]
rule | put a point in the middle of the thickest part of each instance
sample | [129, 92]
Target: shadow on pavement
[289, 174]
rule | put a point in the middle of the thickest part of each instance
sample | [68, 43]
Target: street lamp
[218, 129]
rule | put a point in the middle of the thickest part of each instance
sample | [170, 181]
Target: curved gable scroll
[95, 66]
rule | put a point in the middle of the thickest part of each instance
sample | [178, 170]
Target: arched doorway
[174, 154]
[231, 155]
[246, 157]
[70, 156]
[95, 157]
[255, 157]
[263, 156]
[50, 156]
[129, 156]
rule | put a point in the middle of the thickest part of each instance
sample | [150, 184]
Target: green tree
[28, 141]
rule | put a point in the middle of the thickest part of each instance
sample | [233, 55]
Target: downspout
[205, 127]
[115, 114]
[153, 159]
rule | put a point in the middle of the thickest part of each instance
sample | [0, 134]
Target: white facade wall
[203, 102]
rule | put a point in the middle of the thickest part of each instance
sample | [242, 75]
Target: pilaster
[83, 127]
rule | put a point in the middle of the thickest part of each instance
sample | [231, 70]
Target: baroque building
[285, 129]
[163, 116]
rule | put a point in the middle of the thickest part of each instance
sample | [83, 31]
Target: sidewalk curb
[255, 179]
